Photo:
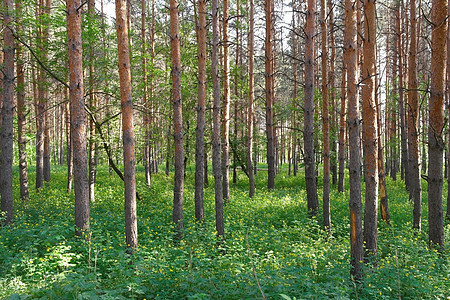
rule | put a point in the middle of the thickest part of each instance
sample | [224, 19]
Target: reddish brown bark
[415, 188]
[126, 101]
[77, 118]
[21, 111]
[177, 119]
[401, 103]
[7, 115]
[269, 94]
[342, 126]
[350, 58]
[251, 82]
[436, 123]
[325, 120]
[201, 106]
[44, 91]
[310, 173]
[447, 216]
[370, 139]
[332, 88]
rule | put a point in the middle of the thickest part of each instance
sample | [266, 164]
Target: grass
[270, 236]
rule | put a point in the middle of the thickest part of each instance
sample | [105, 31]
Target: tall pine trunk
[21, 111]
[251, 88]
[342, 127]
[370, 128]
[350, 58]
[201, 105]
[177, 120]
[310, 173]
[415, 188]
[269, 95]
[436, 123]
[77, 118]
[7, 115]
[226, 106]
[92, 104]
[216, 161]
[325, 121]
[127, 126]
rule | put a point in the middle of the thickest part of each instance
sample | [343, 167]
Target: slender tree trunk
[78, 121]
[226, 107]
[404, 153]
[92, 104]
[251, 90]
[68, 141]
[40, 109]
[216, 121]
[310, 173]
[44, 93]
[145, 100]
[413, 124]
[370, 128]
[342, 126]
[350, 57]
[127, 126]
[21, 110]
[384, 207]
[201, 106]
[269, 95]
[325, 121]
[333, 104]
[177, 120]
[7, 115]
[448, 101]
[436, 123]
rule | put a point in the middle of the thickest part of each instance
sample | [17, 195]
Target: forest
[232, 149]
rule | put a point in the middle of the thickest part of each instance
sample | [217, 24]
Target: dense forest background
[265, 149]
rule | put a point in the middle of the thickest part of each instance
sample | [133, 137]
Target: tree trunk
[226, 107]
[145, 100]
[384, 207]
[177, 120]
[40, 109]
[201, 106]
[333, 104]
[448, 101]
[436, 123]
[7, 116]
[251, 91]
[77, 120]
[269, 95]
[325, 121]
[216, 121]
[310, 173]
[92, 104]
[404, 153]
[21, 111]
[342, 126]
[127, 126]
[370, 128]
[44, 93]
[415, 188]
[350, 57]
[69, 142]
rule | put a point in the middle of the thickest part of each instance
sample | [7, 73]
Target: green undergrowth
[272, 247]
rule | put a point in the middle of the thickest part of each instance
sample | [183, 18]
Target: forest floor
[272, 248]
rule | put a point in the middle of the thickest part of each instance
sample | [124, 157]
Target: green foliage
[269, 235]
